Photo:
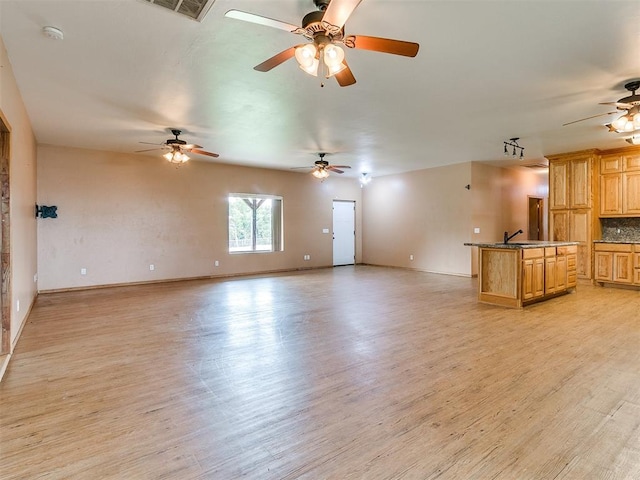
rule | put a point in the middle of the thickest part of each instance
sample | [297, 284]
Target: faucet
[507, 237]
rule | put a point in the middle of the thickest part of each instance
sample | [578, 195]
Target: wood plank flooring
[346, 373]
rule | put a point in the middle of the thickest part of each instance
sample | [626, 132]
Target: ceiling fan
[630, 120]
[325, 29]
[321, 168]
[177, 149]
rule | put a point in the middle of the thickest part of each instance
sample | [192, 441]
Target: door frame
[5, 244]
[353, 203]
[540, 202]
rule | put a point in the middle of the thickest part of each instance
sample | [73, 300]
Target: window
[255, 223]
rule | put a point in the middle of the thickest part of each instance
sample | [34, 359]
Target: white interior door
[344, 233]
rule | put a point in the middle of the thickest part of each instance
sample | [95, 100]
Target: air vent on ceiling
[537, 166]
[195, 9]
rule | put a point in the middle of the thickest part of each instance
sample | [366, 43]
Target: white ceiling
[127, 71]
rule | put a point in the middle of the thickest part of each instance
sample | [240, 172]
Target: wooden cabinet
[571, 203]
[619, 185]
[631, 195]
[558, 184]
[548, 271]
[616, 262]
[570, 183]
[532, 278]
[574, 226]
[611, 194]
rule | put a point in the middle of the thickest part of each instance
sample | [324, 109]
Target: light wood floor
[346, 373]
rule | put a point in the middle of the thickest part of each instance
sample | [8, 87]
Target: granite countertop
[616, 241]
[518, 245]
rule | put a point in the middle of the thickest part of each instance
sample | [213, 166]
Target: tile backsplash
[621, 229]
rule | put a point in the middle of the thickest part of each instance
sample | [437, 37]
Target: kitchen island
[520, 273]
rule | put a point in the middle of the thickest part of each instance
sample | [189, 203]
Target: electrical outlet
[17, 305]
[476, 230]
[410, 257]
[216, 263]
[83, 271]
[325, 230]
[152, 267]
[35, 278]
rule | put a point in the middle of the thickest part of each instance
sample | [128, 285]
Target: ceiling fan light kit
[177, 148]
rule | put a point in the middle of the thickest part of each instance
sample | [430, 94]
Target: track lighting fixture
[513, 144]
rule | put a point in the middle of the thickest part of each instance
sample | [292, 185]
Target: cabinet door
[604, 266]
[549, 275]
[611, 194]
[610, 164]
[580, 231]
[559, 225]
[631, 192]
[631, 162]
[622, 267]
[636, 268]
[559, 185]
[580, 183]
[561, 273]
[527, 279]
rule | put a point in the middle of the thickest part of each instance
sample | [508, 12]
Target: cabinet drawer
[572, 279]
[567, 250]
[613, 247]
[532, 253]
[550, 251]
[572, 263]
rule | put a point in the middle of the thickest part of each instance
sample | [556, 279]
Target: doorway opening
[535, 214]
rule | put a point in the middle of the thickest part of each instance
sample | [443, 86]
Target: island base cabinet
[515, 277]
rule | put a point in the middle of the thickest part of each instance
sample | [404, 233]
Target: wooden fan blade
[625, 106]
[334, 169]
[190, 146]
[384, 45]
[589, 118]
[260, 20]
[345, 76]
[204, 152]
[149, 143]
[276, 60]
[339, 166]
[339, 11]
[148, 149]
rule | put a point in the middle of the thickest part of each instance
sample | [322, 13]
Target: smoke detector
[53, 33]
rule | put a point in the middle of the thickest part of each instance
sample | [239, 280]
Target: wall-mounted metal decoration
[43, 211]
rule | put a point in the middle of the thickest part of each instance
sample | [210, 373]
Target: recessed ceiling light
[53, 33]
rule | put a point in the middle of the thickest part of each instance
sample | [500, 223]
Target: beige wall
[119, 213]
[426, 214]
[518, 186]
[22, 197]
[430, 214]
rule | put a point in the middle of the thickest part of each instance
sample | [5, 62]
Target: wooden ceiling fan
[321, 168]
[177, 148]
[325, 29]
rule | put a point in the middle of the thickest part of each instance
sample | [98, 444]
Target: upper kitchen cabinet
[570, 180]
[620, 185]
